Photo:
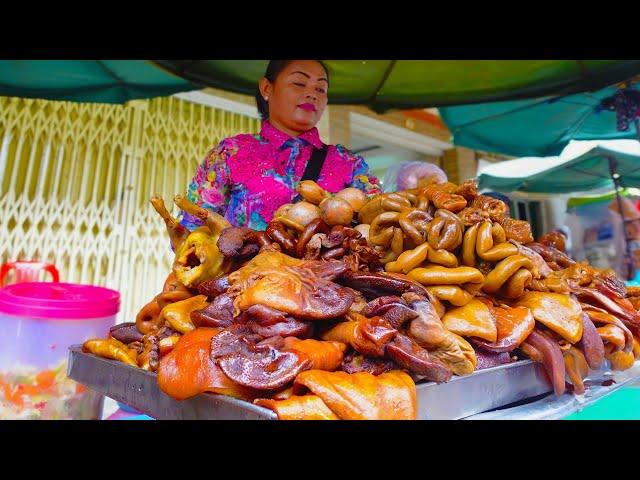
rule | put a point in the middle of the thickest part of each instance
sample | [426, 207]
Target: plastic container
[38, 322]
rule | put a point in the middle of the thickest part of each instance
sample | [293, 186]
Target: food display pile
[344, 302]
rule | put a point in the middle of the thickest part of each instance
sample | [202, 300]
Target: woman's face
[297, 97]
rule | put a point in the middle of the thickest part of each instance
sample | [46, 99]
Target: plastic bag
[407, 175]
[597, 235]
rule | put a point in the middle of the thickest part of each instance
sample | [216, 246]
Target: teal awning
[538, 127]
[103, 81]
[379, 84]
[581, 166]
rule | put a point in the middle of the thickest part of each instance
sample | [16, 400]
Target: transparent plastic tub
[38, 322]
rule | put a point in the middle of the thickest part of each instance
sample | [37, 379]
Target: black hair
[273, 70]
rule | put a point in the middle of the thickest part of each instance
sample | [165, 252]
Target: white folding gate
[76, 179]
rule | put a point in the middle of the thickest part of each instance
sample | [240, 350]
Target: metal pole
[617, 184]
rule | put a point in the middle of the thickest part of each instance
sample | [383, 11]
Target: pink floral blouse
[247, 177]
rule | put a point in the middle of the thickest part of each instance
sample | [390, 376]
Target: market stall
[388, 308]
[381, 307]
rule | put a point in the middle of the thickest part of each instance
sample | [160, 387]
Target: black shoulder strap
[314, 166]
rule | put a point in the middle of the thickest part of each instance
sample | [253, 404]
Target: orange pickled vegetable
[45, 379]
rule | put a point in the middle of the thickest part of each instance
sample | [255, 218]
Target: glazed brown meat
[242, 242]
[469, 190]
[215, 287]
[375, 285]
[408, 354]
[278, 232]
[355, 362]
[491, 359]
[553, 239]
[381, 304]
[556, 259]
[591, 343]
[548, 352]
[315, 226]
[295, 290]
[126, 333]
[269, 322]
[495, 207]
[262, 367]
[218, 314]
[229, 340]
[517, 230]
[392, 308]
[472, 215]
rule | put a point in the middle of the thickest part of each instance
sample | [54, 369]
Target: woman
[247, 177]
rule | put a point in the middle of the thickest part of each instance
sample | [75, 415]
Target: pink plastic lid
[53, 300]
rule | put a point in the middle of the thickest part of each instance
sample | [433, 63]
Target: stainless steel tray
[556, 408]
[481, 391]
[461, 397]
[138, 389]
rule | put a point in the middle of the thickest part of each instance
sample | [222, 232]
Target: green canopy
[385, 84]
[380, 84]
[103, 81]
[574, 202]
[538, 127]
[581, 166]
